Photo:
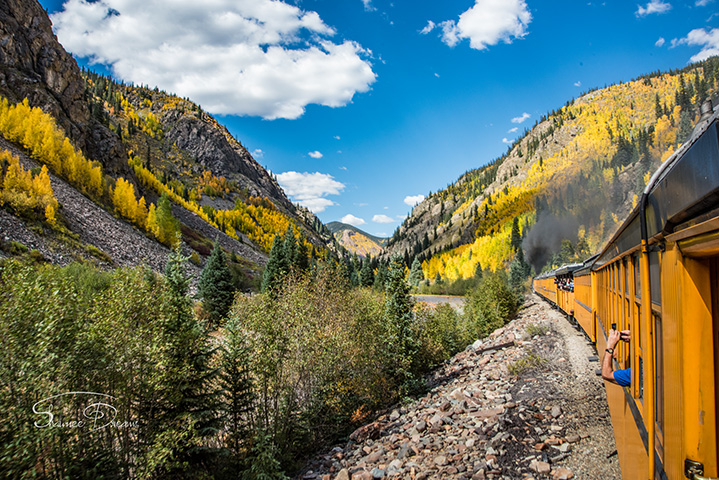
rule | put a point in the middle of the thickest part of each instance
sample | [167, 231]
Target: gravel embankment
[484, 419]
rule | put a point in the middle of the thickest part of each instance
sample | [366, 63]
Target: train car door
[685, 349]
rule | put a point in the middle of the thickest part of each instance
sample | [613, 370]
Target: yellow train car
[583, 302]
[659, 278]
[545, 287]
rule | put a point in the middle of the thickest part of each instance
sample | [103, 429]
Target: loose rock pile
[508, 407]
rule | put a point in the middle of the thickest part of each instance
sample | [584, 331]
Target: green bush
[441, 335]
[76, 329]
[534, 329]
[491, 305]
[528, 362]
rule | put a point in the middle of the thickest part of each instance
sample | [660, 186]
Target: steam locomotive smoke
[545, 238]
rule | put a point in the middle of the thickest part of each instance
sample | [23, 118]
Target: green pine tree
[398, 315]
[301, 261]
[188, 413]
[381, 277]
[276, 267]
[416, 275]
[516, 239]
[367, 277]
[685, 126]
[237, 387]
[215, 286]
[519, 270]
[167, 224]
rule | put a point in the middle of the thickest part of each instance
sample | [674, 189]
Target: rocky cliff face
[216, 150]
[35, 66]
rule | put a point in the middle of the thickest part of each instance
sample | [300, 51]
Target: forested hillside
[151, 159]
[565, 185]
[177, 149]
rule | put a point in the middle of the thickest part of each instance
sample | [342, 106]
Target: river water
[456, 302]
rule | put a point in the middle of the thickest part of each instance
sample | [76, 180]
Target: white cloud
[310, 189]
[513, 130]
[413, 200]
[337, 137]
[507, 141]
[352, 220]
[707, 39]
[342, 167]
[578, 83]
[660, 42]
[260, 57]
[315, 154]
[258, 153]
[368, 5]
[382, 219]
[428, 28]
[703, 3]
[521, 118]
[487, 23]
[655, 6]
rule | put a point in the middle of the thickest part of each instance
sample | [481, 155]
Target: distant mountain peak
[357, 241]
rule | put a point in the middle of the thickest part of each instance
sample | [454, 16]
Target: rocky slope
[215, 149]
[512, 406]
[100, 236]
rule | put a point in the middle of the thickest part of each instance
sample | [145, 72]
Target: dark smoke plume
[545, 238]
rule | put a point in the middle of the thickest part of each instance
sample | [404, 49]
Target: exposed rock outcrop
[35, 66]
[216, 150]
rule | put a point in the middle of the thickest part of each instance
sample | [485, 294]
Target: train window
[659, 373]
[626, 276]
[654, 279]
[637, 278]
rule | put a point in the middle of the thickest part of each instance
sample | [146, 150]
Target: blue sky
[362, 107]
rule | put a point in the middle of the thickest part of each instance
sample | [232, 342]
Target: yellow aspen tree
[42, 189]
[141, 213]
[50, 215]
[151, 224]
[123, 197]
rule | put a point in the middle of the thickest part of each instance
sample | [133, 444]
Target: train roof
[567, 269]
[586, 266]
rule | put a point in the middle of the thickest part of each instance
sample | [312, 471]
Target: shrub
[527, 363]
[491, 305]
[534, 329]
[441, 334]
